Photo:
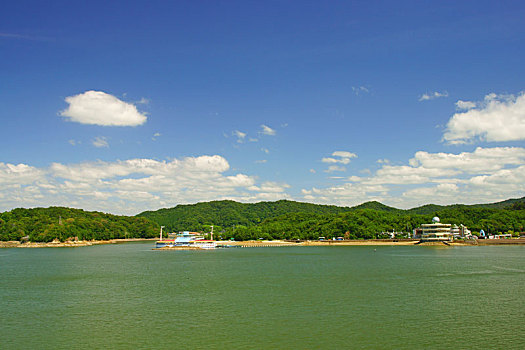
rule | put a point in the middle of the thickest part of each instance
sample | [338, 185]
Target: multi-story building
[436, 231]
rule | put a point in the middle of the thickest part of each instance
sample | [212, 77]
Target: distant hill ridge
[61, 223]
[227, 213]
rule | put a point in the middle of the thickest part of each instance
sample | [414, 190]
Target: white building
[436, 231]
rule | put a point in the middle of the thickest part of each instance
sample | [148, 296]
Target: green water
[128, 296]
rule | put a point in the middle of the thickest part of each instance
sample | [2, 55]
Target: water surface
[129, 296]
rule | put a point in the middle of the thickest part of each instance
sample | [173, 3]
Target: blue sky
[129, 106]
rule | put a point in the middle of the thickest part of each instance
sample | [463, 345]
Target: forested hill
[229, 213]
[47, 224]
[515, 203]
[282, 219]
[376, 206]
[224, 214]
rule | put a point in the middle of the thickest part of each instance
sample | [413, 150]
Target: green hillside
[47, 224]
[271, 220]
[375, 205]
[507, 204]
[369, 223]
[230, 213]
[288, 219]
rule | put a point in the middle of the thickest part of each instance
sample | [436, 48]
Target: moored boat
[187, 239]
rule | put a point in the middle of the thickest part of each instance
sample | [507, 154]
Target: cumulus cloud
[341, 157]
[486, 174]
[433, 95]
[462, 105]
[497, 118]
[482, 160]
[266, 130]
[438, 192]
[100, 108]
[130, 186]
[19, 174]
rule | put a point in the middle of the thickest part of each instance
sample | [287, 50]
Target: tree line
[267, 220]
[59, 223]
[296, 220]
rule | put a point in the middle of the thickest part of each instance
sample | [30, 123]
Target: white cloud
[330, 160]
[437, 193]
[343, 157]
[481, 176]
[346, 194]
[240, 135]
[333, 168]
[19, 174]
[358, 90]
[266, 130]
[262, 161]
[433, 95]
[514, 176]
[482, 160]
[100, 108]
[156, 135]
[130, 186]
[100, 141]
[270, 187]
[462, 105]
[497, 118]
[344, 154]
[265, 150]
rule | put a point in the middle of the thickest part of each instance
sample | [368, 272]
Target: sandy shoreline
[275, 243]
[375, 242]
[17, 244]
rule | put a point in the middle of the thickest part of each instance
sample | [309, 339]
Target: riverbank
[274, 243]
[179, 248]
[373, 242]
[512, 241]
[57, 244]
[280, 243]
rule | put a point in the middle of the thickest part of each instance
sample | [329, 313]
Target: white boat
[188, 239]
